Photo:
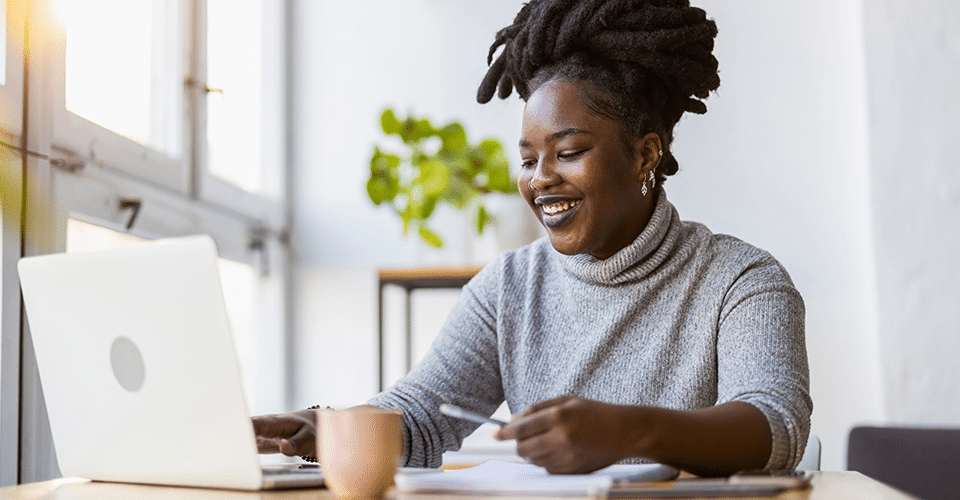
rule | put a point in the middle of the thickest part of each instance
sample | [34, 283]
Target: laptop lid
[137, 365]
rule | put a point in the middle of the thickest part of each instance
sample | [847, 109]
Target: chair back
[811, 454]
[921, 461]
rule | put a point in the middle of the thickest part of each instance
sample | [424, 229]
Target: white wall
[913, 54]
[786, 159]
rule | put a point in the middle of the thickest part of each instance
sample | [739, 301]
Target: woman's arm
[574, 435]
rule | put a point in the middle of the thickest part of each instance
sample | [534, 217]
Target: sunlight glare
[3, 53]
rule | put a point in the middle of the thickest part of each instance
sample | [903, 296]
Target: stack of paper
[495, 476]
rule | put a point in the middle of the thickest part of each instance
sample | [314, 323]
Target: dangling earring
[653, 183]
[651, 177]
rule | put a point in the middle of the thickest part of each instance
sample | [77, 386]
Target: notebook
[500, 477]
[138, 368]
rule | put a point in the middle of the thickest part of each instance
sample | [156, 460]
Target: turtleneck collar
[636, 260]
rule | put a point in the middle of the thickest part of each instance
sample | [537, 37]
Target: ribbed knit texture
[681, 318]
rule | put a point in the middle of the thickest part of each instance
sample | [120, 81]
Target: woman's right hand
[293, 434]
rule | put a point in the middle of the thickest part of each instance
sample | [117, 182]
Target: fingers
[542, 405]
[289, 433]
[267, 446]
[533, 420]
[524, 427]
[303, 442]
[276, 426]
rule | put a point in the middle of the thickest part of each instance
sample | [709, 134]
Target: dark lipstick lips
[558, 220]
[550, 199]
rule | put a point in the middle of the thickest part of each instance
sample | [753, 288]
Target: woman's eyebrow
[557, 135]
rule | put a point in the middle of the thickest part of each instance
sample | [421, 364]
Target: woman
[627, 334]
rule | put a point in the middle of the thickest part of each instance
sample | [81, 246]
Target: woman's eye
[573, 154]
[528, 163]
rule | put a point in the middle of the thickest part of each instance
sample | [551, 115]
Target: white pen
[457, 412]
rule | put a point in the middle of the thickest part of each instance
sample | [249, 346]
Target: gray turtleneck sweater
[682, 318]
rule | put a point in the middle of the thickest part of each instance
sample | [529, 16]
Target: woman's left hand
[569, 435]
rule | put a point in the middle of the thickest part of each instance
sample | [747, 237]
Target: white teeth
[561, 206]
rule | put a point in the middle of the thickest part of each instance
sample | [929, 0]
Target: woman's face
[578, 177]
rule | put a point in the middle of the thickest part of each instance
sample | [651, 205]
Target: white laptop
[139, 371]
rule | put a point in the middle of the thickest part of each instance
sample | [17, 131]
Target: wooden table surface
[826, 485]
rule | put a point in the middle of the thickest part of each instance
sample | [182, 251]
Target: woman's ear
[649, 152]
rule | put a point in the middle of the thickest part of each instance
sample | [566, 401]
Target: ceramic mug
[359, 449]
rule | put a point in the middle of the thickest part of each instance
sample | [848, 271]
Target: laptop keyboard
[286, 470]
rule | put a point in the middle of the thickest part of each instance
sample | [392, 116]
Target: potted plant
[434, 165]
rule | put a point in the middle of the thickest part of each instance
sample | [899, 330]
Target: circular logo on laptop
[127, 364]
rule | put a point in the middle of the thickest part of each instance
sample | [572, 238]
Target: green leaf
[491, 147]
[406, 215]
[483, 218]
[384, 182]
[381, 163]
[389, 122]
[430, 236]
[433, 177]
[376, 191]
[459, 193]
[427, 207]
[414, 130]
[453, 136]
[498, 176]
[422, 129]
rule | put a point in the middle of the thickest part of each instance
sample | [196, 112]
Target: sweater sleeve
[762, 359]
[461, 368]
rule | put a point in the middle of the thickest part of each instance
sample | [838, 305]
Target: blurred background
[831, 143]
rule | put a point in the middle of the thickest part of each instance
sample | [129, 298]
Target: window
[128, 144]
[241, 162]
[122, 104]
[234, 110]
[139, 99]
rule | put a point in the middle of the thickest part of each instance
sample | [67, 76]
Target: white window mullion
[42, 224]
[11, 169]
[10, 209]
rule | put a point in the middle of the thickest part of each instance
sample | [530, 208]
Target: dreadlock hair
[645, 62]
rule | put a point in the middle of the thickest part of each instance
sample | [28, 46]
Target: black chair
[920, 461]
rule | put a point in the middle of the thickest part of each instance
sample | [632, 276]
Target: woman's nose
[544, 176]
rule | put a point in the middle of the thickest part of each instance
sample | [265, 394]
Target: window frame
[11, 122]
[10, 251]
[65, 179]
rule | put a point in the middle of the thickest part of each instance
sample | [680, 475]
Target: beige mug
[359, 449]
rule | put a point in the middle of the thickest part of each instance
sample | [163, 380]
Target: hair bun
[668, 39]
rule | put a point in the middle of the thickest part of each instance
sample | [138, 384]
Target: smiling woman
[628, 334]
[583, 184]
